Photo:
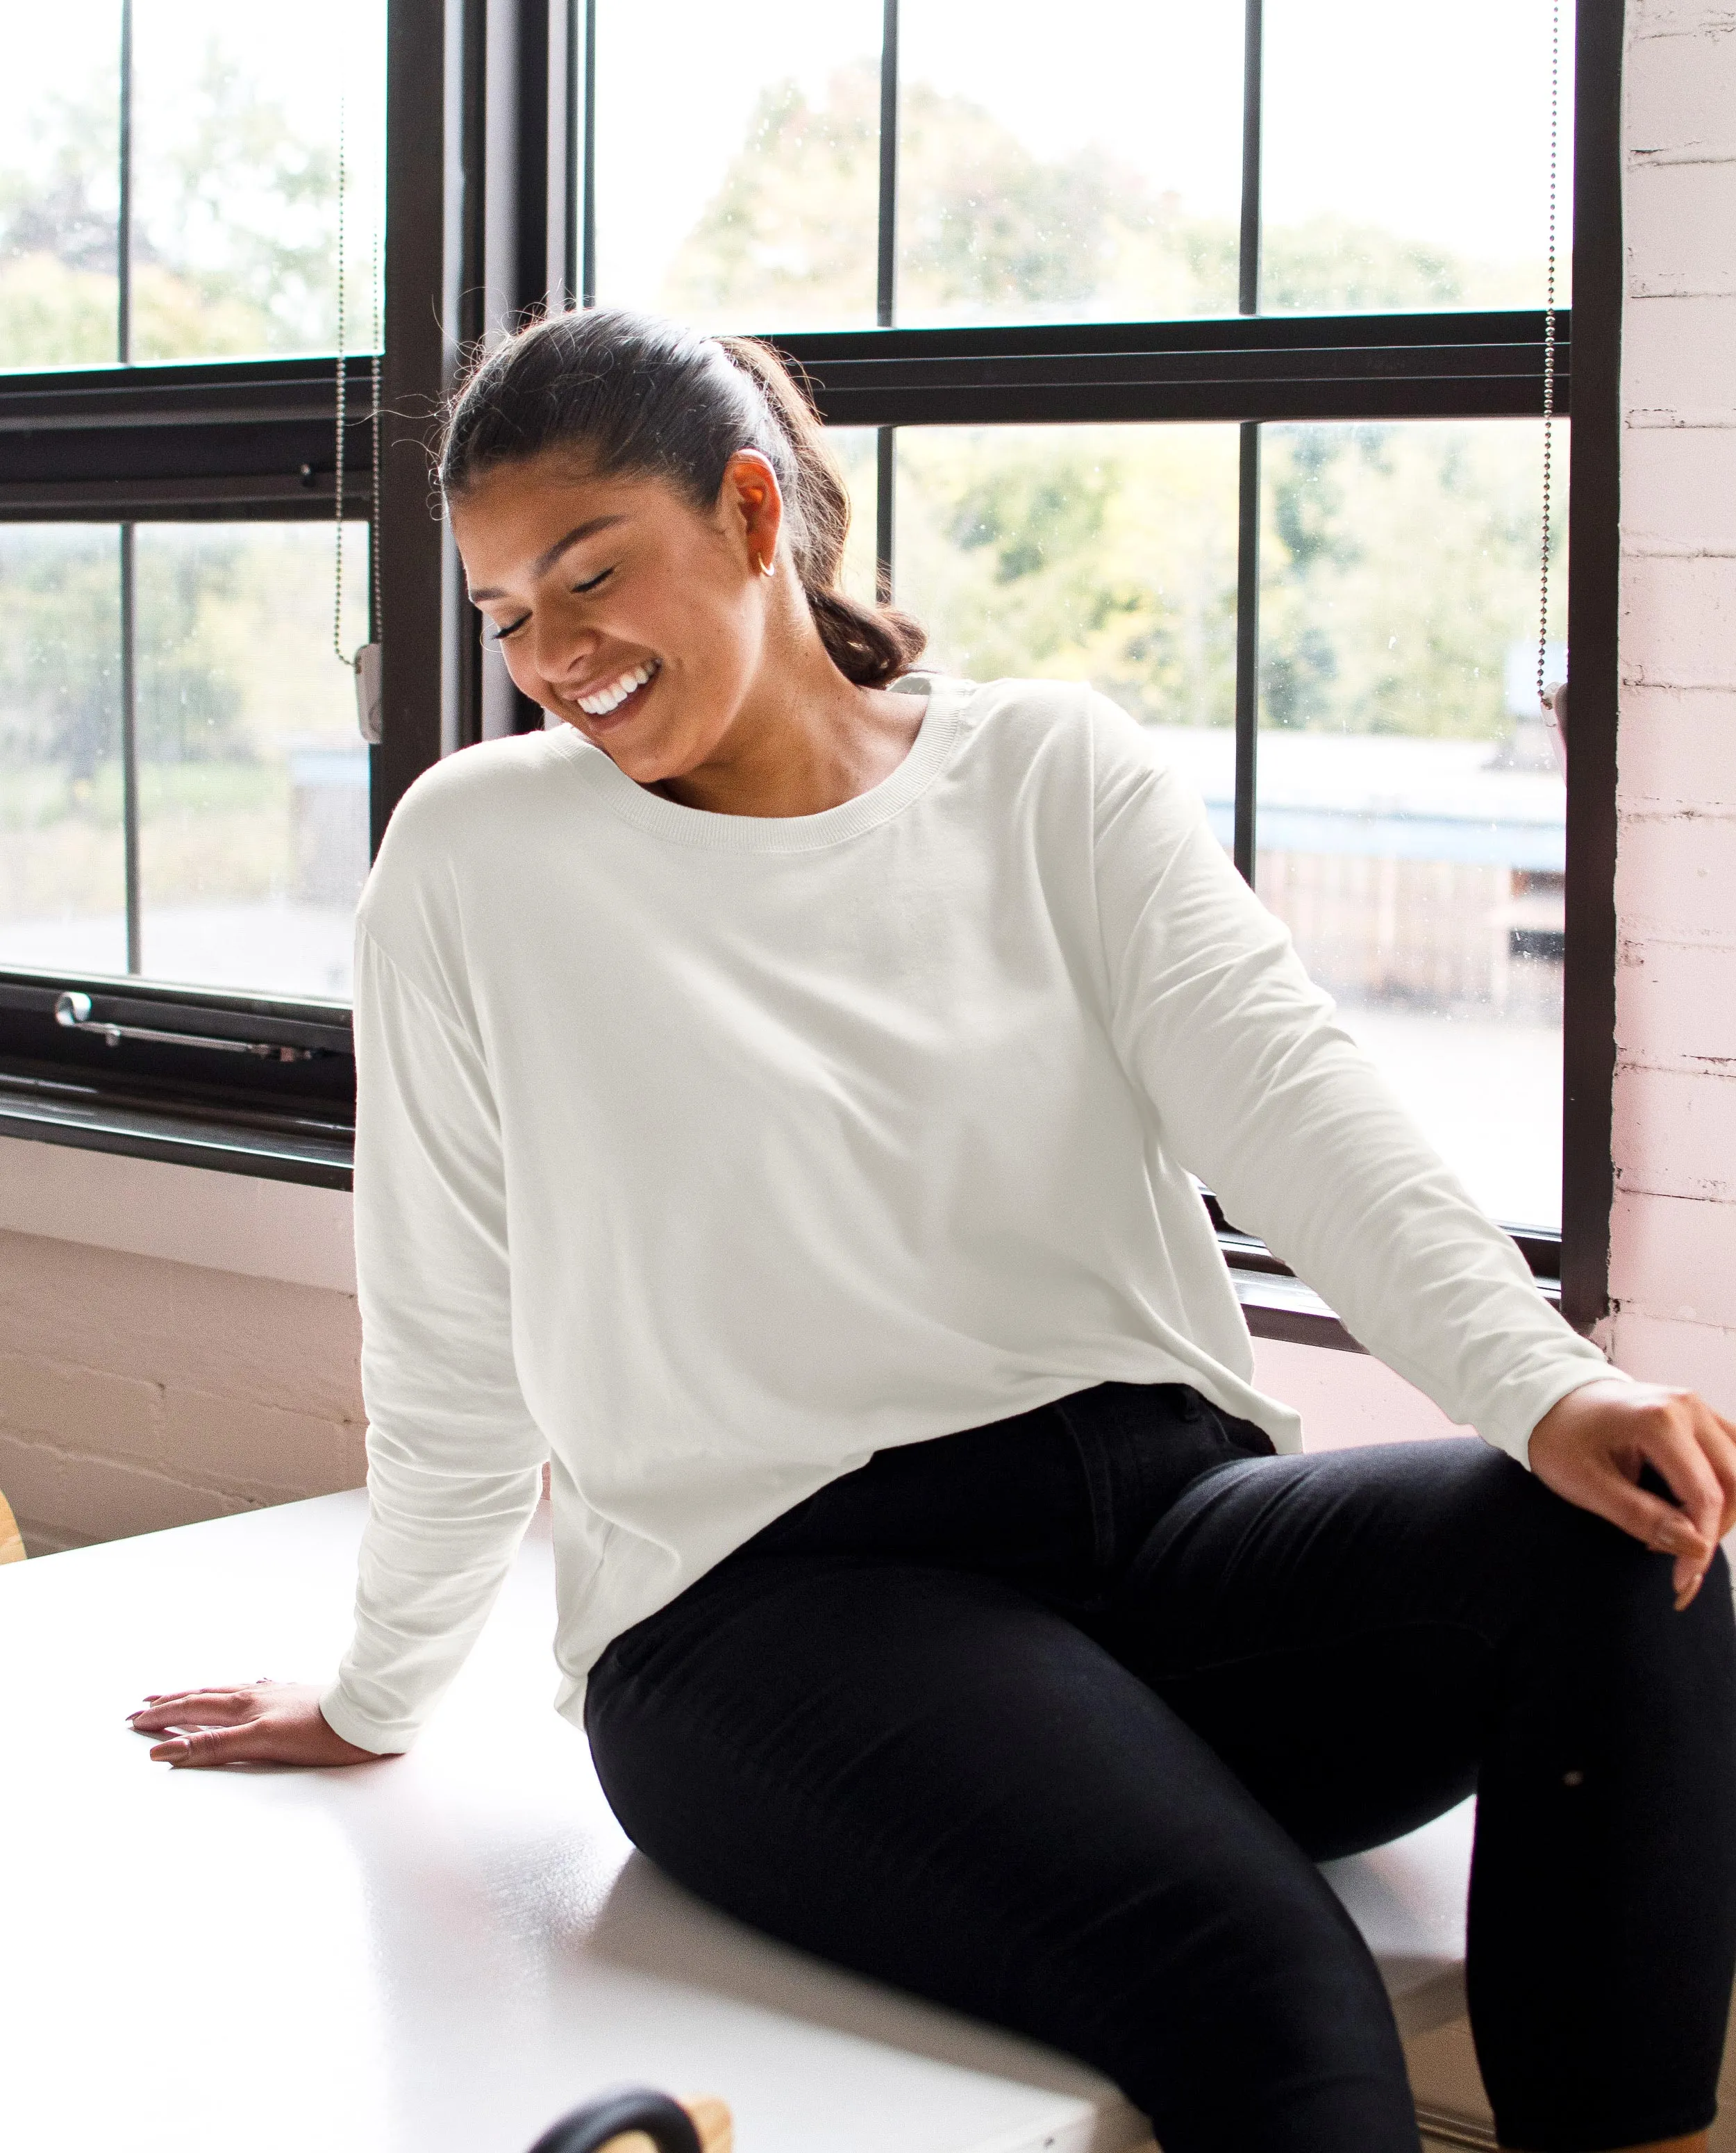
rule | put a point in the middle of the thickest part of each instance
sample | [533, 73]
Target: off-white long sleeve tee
[706, 1155]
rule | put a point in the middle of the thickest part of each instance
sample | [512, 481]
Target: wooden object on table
[710, 2119]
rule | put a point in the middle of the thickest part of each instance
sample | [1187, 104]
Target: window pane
[1085, 164]
[751, 202]
[1103, 552]
[59, 182]
[234, 121]
[62, 875]
[1411, 810]
[253, 781]
[1406, 160]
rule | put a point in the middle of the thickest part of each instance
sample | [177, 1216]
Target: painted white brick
[80, 1408]
[1698, 1355]
[1679, 219]
[1675, 361]
[1675, 1133]
[1678, 486]
[1676, 876]
[1678, 622]
[1680, 98]
[1675, 1006]
[236, 1445]
[1705, 21]
[1674, 1257]
[1677, 747]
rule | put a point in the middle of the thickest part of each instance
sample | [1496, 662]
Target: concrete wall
[1674, 1259]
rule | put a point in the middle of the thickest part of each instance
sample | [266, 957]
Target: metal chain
[1549, 341]
[374, 625]
[343, 415]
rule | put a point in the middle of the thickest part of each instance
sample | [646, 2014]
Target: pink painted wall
[1673, 1275]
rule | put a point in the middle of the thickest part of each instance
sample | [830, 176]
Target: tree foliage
[1398, 561]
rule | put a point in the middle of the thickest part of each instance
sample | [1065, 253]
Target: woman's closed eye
[579, 591]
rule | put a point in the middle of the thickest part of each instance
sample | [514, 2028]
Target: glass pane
[234, 135]
[63, 874]
[59, 184]
[1086, 165]
[1102, 552]
[1411, 810]
[755, 206]
[252, 779]
[1405, 156]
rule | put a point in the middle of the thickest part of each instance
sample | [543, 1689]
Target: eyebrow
[544, 561]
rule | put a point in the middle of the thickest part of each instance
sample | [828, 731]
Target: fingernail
[170, 1753]
[1686, 1595]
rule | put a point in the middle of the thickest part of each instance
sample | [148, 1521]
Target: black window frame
[491, 163]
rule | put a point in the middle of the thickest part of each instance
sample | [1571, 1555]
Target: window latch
[72, 1011]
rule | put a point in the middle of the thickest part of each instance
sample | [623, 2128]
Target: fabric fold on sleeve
[1263, 1095]
[455, 1458]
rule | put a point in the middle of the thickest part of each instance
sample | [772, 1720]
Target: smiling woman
[812, 1190]
[576, 458]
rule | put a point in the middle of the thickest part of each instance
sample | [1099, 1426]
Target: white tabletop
[448, 1950]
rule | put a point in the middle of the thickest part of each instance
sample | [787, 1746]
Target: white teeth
[610, 697]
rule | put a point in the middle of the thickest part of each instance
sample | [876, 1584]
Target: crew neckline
[701, 827]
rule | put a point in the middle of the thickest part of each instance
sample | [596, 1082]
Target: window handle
[72, 1009]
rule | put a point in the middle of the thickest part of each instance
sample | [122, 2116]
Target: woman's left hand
[1592, 1446]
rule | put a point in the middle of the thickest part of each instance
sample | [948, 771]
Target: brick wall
[136, 1392]
[1673, 1274]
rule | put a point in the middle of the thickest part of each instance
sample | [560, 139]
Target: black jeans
[1050, 1721]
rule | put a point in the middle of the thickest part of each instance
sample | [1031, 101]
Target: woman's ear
[753, 502]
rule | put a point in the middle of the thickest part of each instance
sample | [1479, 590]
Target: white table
[441, 1954]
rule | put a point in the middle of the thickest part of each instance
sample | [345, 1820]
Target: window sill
[273, 1147]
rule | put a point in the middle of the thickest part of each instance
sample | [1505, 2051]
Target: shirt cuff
[1510, 1429]
[348, 1724]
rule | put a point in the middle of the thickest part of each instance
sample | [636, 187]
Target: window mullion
[886, 459]
[123, 211]
[129, 747]
[587, 151]
[1247, 560]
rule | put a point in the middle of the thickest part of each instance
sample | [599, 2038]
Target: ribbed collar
[612, 788]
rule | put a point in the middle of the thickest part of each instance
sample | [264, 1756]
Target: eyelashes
[579, 591]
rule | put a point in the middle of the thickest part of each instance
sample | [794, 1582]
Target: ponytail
[633, 394]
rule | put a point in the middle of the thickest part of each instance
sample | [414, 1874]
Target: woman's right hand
[262, 1722]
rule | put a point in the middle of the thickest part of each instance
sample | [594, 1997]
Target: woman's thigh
[927, 1775]
[1330, 1625]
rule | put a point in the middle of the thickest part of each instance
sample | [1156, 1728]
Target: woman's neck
[805, 740]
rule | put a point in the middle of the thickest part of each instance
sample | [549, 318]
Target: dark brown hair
[633, 393]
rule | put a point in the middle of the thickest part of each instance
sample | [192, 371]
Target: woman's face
[635, 617]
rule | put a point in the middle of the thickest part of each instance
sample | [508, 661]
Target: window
[184, 795]
[1200, 352]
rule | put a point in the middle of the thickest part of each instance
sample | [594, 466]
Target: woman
[779, 1094]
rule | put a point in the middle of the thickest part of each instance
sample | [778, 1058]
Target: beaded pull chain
[365, 662]
[1551, 694]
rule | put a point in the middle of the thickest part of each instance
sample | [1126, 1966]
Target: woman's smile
[618, 699]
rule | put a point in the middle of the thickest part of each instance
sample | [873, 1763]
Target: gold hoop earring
[768, 566]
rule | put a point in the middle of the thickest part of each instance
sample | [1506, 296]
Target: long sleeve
[1261, 1093]
[454, 1457]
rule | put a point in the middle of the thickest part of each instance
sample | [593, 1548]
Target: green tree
[1397, 559]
